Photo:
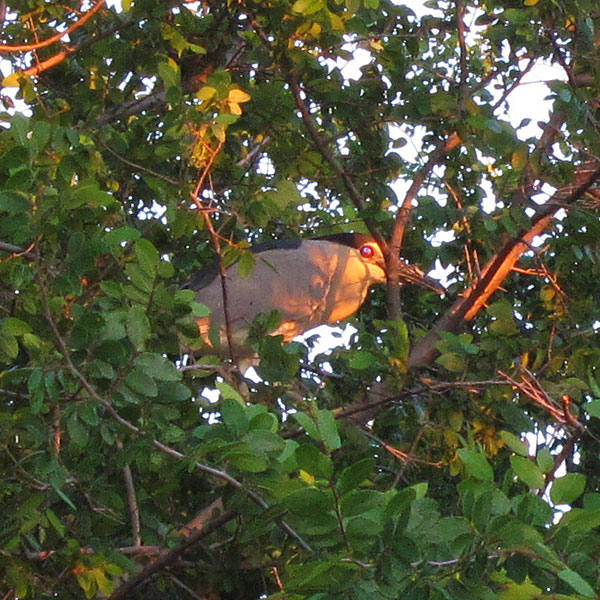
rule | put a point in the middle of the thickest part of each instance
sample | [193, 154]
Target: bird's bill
[414, 275]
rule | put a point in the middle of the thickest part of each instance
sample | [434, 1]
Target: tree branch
[392, 257]
[168, 558]
[497, 269]
[330, 159]
[134, 511]
[57, 37]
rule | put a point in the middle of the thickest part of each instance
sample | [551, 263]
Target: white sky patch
[530, 100]
[350, 69]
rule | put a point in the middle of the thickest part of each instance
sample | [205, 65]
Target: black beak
[415, 275]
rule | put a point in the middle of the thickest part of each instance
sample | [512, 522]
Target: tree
[159, 134]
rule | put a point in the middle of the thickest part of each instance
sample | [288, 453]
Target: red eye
[367, 251]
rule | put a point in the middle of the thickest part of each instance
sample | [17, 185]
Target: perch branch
[402, 216]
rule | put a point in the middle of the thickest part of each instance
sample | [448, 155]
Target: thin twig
[516, 83]
[134, 511]
[462, 59]
[322, 146]
[59, 57]
[18, 251]
[331, 160]
[137, 166]
[530, 387]
[185, 588]
[217, 245]
[566, 451]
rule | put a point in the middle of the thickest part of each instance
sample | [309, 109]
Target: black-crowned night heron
[310, 282]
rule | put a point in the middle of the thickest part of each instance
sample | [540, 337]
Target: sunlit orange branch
[499, 267]
[57, 37]
[49, 62]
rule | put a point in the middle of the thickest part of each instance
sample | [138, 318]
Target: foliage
[397, 467]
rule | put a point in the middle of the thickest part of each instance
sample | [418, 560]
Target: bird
[308, 281]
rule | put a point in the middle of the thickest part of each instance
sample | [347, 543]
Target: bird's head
[373, 257]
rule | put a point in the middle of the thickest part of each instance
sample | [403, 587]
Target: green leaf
[158, 367]
[101, 369]
[55, 522]
[141, 383]
[514, 443]
[9, 347]
[40, 137]
[251, 462]
[307, 7]
[451, 361]
[199, 310]
[105, 585]
[308, 501]
[520, 591]
[476, 464]
[169, 73]
[265, 441]
[567, 489]
[527, 471]
[120, 235]
[19, 127]
[165, 269]
[36, 389]
[138, 327]
[173, 391]
[142, 280]
[328, 429]
[229, 392]
[577, 582]
[307, 424]
[504, 319]
[234, 416]
[362, 359]
[63, 496]
[17, 578]
[592, 408]
[311, 460]
[545, 460]
[88, 194]
[12, 203]
[11, 326]
[245, 264]
[147, 256]
[358, 502]
[77, 431]
[352, 476]
[581, 520]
